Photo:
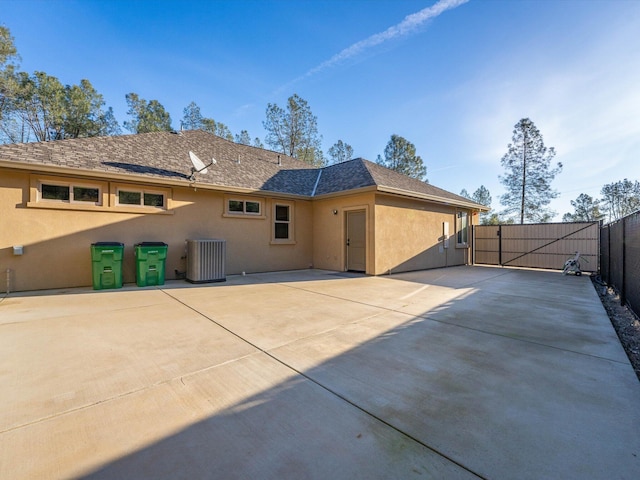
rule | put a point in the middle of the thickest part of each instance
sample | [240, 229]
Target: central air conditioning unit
[206, 260]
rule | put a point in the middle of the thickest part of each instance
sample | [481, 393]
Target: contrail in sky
[405, 27]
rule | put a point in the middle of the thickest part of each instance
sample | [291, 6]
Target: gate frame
[552, 240]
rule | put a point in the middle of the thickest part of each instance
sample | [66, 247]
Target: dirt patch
[625, 322]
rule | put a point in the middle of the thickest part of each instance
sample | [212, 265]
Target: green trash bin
[150, 260]
[106, 262]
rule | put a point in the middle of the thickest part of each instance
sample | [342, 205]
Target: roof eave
[432, 198]
[135, 178]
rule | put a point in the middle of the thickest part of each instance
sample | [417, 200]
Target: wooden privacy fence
[540, 245]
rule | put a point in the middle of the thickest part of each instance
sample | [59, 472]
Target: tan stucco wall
[402, 234]
[57, 242]
[409, 235]
[329, 230]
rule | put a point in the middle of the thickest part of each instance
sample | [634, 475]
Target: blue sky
[453, 77]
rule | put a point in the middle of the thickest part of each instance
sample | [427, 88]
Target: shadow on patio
[440, 392]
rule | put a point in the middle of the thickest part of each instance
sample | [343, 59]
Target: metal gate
[540, 245]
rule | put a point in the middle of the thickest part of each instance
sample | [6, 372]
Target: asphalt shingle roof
[165, 156]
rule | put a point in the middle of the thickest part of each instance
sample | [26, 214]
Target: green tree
[496, 219]
[108, 123]
[40, 102]
[620, 198]
[294, 131]
[83, 115]
[146, 116]
[243, 138]
[217, 128]
[39, 106]
[8, 51]
[13, 127]
[482, 196]
[586, 209]
[8, 64]
[340, 152]
[528, 174]
[192, 118]
[400, 156]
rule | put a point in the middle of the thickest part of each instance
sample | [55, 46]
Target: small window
[236, 206]
[252, 207]
[86, 194]
[141, 198]
[129, 198]
[282, 227]
[462, 229]
[70, 193]
[154, 200]
[56, 192]
[245, 207]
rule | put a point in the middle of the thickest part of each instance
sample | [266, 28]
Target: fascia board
[432, 198]
[143, 179]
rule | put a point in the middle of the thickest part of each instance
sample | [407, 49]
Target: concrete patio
[466, 372]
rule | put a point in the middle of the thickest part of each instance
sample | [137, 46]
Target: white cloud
[585, 105]
[407, 26]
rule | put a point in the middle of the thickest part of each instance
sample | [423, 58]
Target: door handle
[347, 242]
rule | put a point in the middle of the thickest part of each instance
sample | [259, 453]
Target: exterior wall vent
[206, 260]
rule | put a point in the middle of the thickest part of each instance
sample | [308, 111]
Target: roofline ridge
[315, 187]
[365, 164]
[243, 145]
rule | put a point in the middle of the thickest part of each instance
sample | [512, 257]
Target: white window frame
[37, 200]
[107, 195]
[290, 223]
[142, 191]
[462, 229]
[71, 186]
[244, 213]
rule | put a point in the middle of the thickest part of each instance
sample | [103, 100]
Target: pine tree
[340, 152]
[528, 175]
[586, 209]
[400, 156]
[294, 131]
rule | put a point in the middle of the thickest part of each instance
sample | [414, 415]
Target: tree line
[38, 107]
[619, 199]
[529, 172]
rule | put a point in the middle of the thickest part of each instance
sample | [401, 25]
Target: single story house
[273, 211]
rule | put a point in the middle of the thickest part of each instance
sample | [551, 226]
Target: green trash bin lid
[100, 248]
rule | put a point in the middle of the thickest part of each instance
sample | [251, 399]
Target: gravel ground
[625, 322]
